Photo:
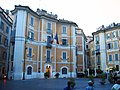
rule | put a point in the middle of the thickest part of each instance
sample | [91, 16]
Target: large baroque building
[107, 47]
[44, 43]
[5, 32]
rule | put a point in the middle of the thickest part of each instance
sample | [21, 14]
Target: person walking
[90, 86]
[68, 86]
[116, 86]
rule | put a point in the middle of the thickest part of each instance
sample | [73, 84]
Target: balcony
[49, 45]
[64, 44]
[97, 42]
[97, 52]
[48, 60]
[12, 40]
[49, 31]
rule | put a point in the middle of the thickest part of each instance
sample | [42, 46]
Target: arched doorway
[48, 70]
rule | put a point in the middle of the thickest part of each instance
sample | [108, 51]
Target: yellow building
[107, 47]
[5, 32]
[44, 43]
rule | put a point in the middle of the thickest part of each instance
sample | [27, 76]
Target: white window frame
[66, 41]
[32, 22]
[66, 71]
[116, 47]
[64, 30]
[30, 35]
[46, 54]
[109, 57]
[64, 60]
[113, 34]
[98, 59]
[27, 69]
[31, 52]
[109, 45]
[50, 29]
[97, 38]
[114, 56]
[107, 35]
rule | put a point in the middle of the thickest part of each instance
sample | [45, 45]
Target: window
[6, 42]
[64, 56]
[116, 57]
[97, 39]
[109, 46]
[49, 27]
[87, 46]
[30, 52]
[64, 30]
[98, 47]
[0, 38]
[64, 42]
[117, 67]
[115, 44]
[108, 36]
[98, 60]
[7, 30]
[48, 56]
[4, 55]
[2, 25]
[110, 57]
[64, 70]
[29, 70]
[31, 35]
[49, 39]
[31, 21]
[113, 34]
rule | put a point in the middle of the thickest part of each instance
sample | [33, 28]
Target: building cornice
[109, 28]
[26, 8]
[67, 22]
[6, 16]
[5, 19]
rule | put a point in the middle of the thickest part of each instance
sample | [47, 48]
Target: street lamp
[24, 60]
[26, 37]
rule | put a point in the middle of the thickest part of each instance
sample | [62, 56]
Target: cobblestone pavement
[49, 84]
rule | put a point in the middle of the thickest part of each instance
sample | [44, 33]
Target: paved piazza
[49, 84]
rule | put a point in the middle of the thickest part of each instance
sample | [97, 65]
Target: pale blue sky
[88, 14]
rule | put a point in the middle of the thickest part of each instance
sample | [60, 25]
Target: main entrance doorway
[48, 70]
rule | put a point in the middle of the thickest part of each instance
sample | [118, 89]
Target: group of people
[89, 87]
[116, 86]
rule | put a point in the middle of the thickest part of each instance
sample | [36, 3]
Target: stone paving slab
[49, 84]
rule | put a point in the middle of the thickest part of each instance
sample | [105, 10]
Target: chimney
[7, 11]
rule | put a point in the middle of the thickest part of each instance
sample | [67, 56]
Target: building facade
[5, 32]
[44, 43]
[81, 61]
[107, 47]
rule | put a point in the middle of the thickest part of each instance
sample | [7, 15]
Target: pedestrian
[116, 86]
[68, 86]
[90, 86]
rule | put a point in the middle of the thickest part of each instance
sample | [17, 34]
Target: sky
[87, 14]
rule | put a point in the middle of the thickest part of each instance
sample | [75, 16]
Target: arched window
[64, 70]
[29, 70]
